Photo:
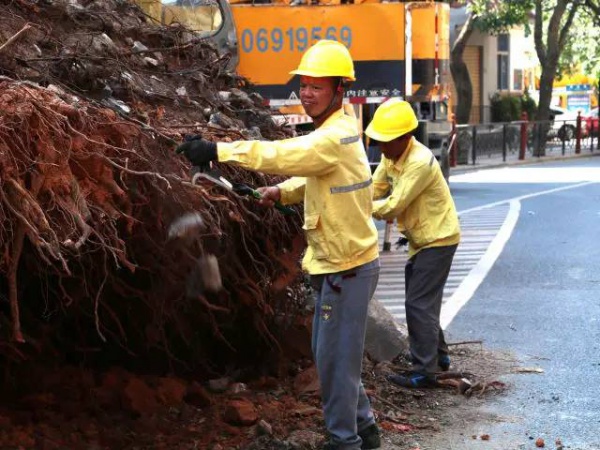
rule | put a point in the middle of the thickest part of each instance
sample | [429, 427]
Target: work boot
[370, 437]
[331, 446]
[414, 380]
[444, 362]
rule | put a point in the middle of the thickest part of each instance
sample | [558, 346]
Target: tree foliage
[495, 16]
[488, 16]
[559, 48]
[582, 46]
[593, 8]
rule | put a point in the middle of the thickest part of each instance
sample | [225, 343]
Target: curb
[533, 160]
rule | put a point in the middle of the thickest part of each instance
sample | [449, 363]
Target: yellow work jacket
[331, 175]
[419, 199]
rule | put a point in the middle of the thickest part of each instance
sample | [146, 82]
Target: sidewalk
[553, 153]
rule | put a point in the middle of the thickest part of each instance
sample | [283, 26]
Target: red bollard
[578, 134]
[523, 148]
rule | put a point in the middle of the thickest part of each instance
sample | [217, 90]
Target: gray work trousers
[338, 340]
[425, 276]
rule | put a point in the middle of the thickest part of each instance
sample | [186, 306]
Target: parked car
[592, 122]
[564, 124]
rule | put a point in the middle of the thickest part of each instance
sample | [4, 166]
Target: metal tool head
[186, 226]
[205, 276]
[213, 177]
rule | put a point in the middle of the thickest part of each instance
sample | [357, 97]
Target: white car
[564, 124]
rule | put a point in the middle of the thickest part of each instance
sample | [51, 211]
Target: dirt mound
[93, 98]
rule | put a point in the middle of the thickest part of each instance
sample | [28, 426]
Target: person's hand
[269, 195]
[198, 151]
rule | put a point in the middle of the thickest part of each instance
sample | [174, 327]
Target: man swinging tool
[420, 201]
[331, 175]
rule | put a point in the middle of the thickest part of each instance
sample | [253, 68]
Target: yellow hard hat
[327, 58]
[393, 118]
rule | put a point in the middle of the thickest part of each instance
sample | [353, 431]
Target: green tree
[582, 47]
[593, 7]
[489, 16]
[553, 23]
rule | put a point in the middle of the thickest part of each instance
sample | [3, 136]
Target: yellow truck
[400, 49]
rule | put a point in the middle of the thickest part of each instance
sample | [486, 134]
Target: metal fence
[494, 143]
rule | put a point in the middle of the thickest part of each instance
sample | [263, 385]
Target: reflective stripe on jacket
[420, 199]
[331, 174]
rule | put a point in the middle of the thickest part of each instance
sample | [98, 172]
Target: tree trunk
[460, 73]
[548, 54]
[543, 112]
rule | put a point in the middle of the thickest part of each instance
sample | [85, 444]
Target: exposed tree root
[14, 37]
[88, 189]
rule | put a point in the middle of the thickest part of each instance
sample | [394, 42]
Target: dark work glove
[401, 242]
[199, 152]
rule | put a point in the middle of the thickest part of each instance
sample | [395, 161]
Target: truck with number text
[400, 49]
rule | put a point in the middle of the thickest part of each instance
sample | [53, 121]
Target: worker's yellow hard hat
[327, 58]
[393, 118]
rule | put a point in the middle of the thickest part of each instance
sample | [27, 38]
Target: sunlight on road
[530, 175]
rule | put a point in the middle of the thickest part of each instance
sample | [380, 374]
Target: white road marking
[472, 281]
[527, 196]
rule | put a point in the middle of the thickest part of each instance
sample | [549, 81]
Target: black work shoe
[444, 362]
[413, 380]
[370, 437]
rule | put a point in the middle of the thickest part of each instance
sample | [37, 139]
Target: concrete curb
[533, 160]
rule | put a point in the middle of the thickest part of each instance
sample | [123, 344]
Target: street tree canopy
[593, 7]
[554, 20]
[494, 16]
[582, 47]
[558, 47]
[488, 16]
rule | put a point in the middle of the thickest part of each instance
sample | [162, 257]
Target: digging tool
[205, 275]
[185, 226]
[213, 175]
[241, 189]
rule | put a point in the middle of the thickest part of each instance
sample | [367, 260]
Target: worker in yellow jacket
[331, 175]
[420, 201]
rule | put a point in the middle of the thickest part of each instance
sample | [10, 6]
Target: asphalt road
[540, 299]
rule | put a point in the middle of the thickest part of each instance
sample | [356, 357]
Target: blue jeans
[338, 341]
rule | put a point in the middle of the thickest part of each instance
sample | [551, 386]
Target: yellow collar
[333, 117]
[400, 162]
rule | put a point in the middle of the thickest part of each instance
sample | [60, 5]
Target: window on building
[518, 80]
[503, 47]
[503, 43]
